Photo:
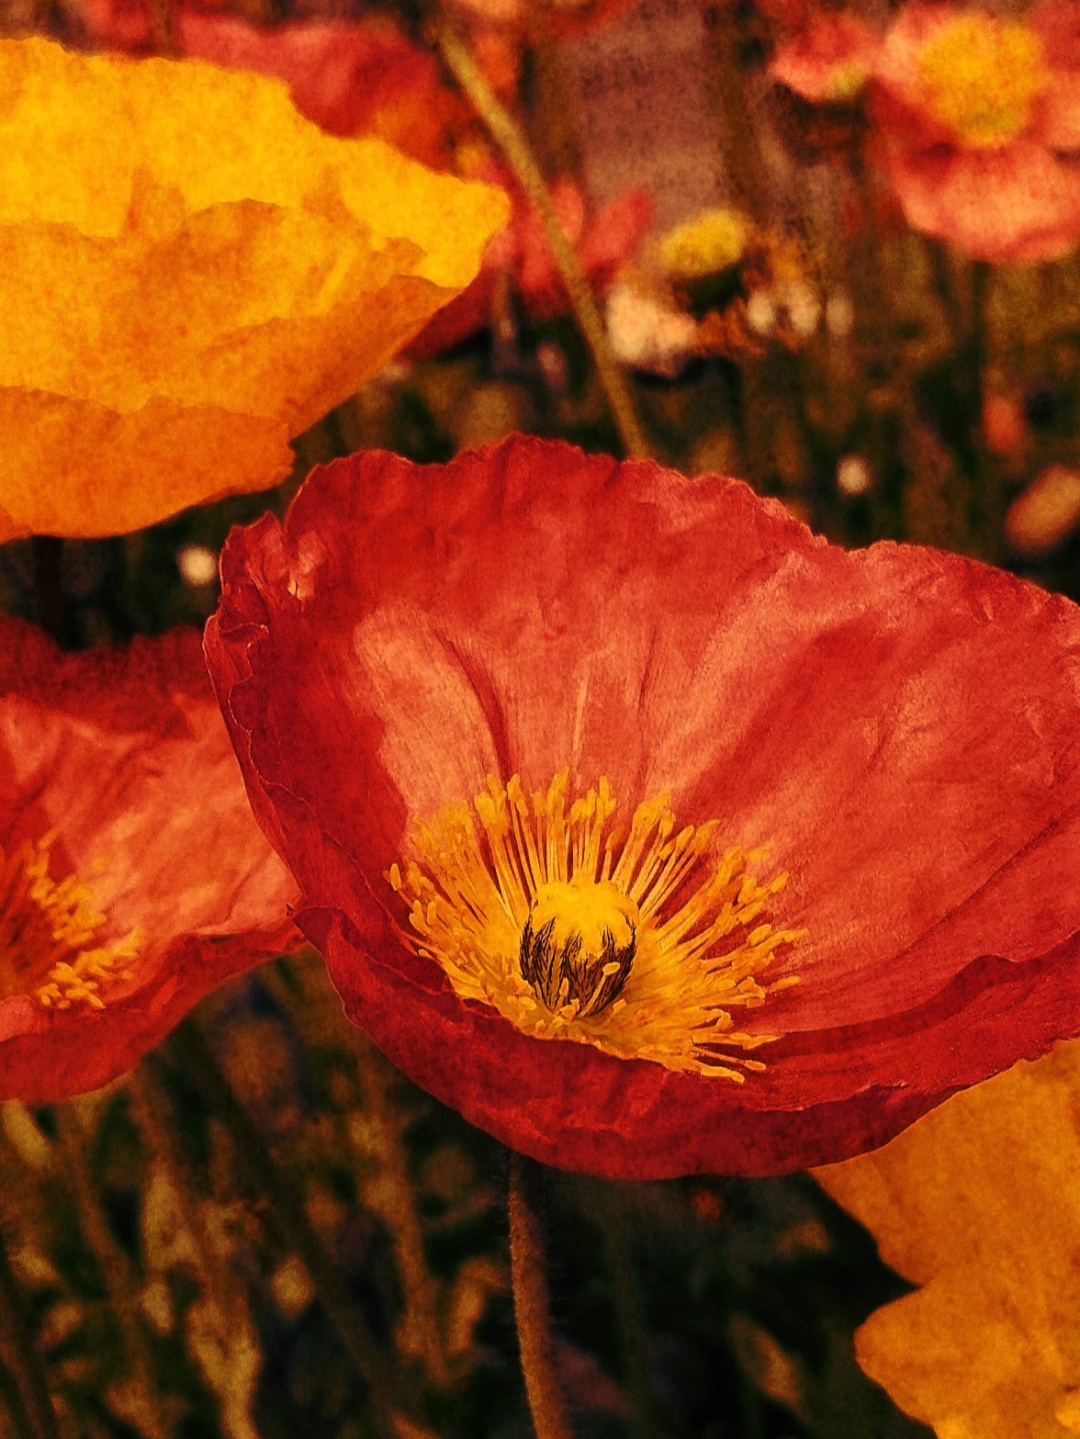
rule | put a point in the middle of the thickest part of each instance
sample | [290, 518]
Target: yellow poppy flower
[979, 1204]
[191, 273]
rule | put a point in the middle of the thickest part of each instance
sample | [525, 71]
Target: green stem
[317, 1011]
[157, 1125]
[532, 1307]
[629, 1309]
[401, 1215]
[21, 1358]
[980, 330]
[989, 489]
[162, 29]
[943, 285]
[508, 136]
[288, 1219]
[743, 160]
[121, 1280]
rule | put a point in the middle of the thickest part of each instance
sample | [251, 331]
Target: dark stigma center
[546, 966]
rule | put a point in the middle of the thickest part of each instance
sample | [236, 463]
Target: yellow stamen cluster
[49, 932]
[663, 904]
[981, 77]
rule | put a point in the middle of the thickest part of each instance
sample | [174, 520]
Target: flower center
[50, 935]
[981, 77]
[578, 944]
[707, 245]
[643, 942]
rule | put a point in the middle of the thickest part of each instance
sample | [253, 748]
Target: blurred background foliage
[212, 1246]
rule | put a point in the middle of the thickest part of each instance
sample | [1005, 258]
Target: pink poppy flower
[976, 118]
[522, 725]
[979, 120]
[133, 879]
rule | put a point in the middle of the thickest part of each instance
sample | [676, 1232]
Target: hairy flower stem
[532, 1308]
[118, 1272]
[37, 1417]
[510, 139]
[293, 1230]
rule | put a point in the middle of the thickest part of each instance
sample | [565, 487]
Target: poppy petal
[194, 255]
[121, 756]
[977, 1204]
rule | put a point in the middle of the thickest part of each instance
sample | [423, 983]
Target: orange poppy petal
[191, 242]
[978, 1204]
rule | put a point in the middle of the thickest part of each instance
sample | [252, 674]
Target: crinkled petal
[978, 1204]
[604, 240]
[898, 725]
[121, 753]
[157, 457]
[191, 243]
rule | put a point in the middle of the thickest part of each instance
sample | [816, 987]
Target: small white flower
[853, 475]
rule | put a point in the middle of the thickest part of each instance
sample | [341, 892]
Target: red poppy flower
[828, 61]
[350, 77]
[441, 681]
[132, 878]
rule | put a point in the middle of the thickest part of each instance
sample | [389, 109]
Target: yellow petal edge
[979, 1204]
[191, 273]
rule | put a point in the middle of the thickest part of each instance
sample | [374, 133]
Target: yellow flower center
[981, 77]
[49, 935]
[709, 244]
[847, 81]
[641, 942]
